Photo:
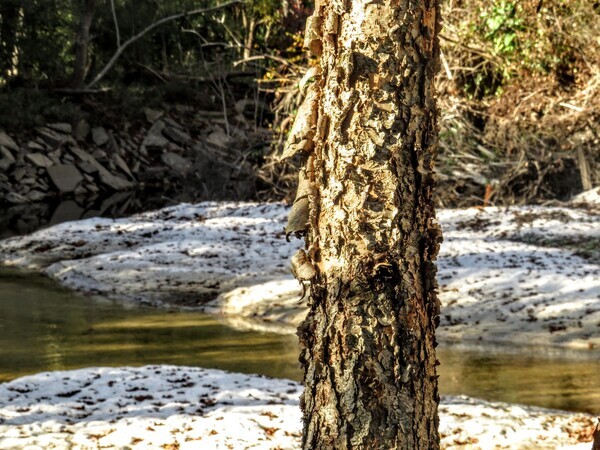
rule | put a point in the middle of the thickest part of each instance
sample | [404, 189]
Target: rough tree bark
[367, 133]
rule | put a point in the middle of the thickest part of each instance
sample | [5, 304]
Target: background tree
[9, 24]
[368, 132]
[82, 41]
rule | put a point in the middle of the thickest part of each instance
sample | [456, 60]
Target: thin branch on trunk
[149, 28]
[231, 34]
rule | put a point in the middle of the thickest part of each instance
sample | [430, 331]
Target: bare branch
[265, 56]
[114, 14]
[149, 28]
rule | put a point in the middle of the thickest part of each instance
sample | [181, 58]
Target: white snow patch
[591, 197]
[192, 408]
[506, 274]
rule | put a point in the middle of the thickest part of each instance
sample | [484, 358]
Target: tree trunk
[9, 30]
[369, 139]
[82, 41]
[249, 24]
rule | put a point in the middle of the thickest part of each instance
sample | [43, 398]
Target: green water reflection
[44, 327]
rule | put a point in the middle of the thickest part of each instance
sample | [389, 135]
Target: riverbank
[521, 275]
[178, 152]
[184, 408]
[524, 275]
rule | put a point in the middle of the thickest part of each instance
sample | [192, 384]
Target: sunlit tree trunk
[249, 23]
[368, 135]
[82, 43]
[9, 30]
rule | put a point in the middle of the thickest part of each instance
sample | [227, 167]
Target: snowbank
[192, 408]
[520, 274]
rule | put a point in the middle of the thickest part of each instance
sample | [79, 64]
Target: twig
[569, 106]
[83, 91]
[274, 58]
[446, 66]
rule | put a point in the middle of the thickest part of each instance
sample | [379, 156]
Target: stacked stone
[62, 160]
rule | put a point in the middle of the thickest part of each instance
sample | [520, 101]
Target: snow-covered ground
[173, 407]
[510, 275]
[506, 274]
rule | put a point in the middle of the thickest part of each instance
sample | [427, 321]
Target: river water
[46, 327]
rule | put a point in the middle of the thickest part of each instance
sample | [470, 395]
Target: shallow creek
[45, 327]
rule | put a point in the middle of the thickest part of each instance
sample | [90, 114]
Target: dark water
[211, 180]
[45, 327]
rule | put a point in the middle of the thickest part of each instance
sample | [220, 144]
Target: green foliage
[501, 23]
[47, 30]
[498, 41]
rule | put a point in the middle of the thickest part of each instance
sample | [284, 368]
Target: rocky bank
[178, 148]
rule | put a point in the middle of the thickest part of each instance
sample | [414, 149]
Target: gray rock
[64, 128]
[82, 130]
[113, 144]
[114, 182]
[152, 115]
[219, 138]
[35, 146]
[29, 181]
[100, 155]
[176, 162]
[208, 115]
[6, 158]
[81, 154]
[15, 199]
[91, 187]
[90, 165]
[52, 138]
[177, 135]
[155, 142]
[87, 167]
[39, 160]
[42, 185]
[5, 164]
[36, 196]
[100, 136]
[8, 142]
[184, 109]
[154, 139]
[121, 164]
[55, 156]
[5, 153]
[18, 173]
[79, 191]
[170, 122]
[65, 177]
